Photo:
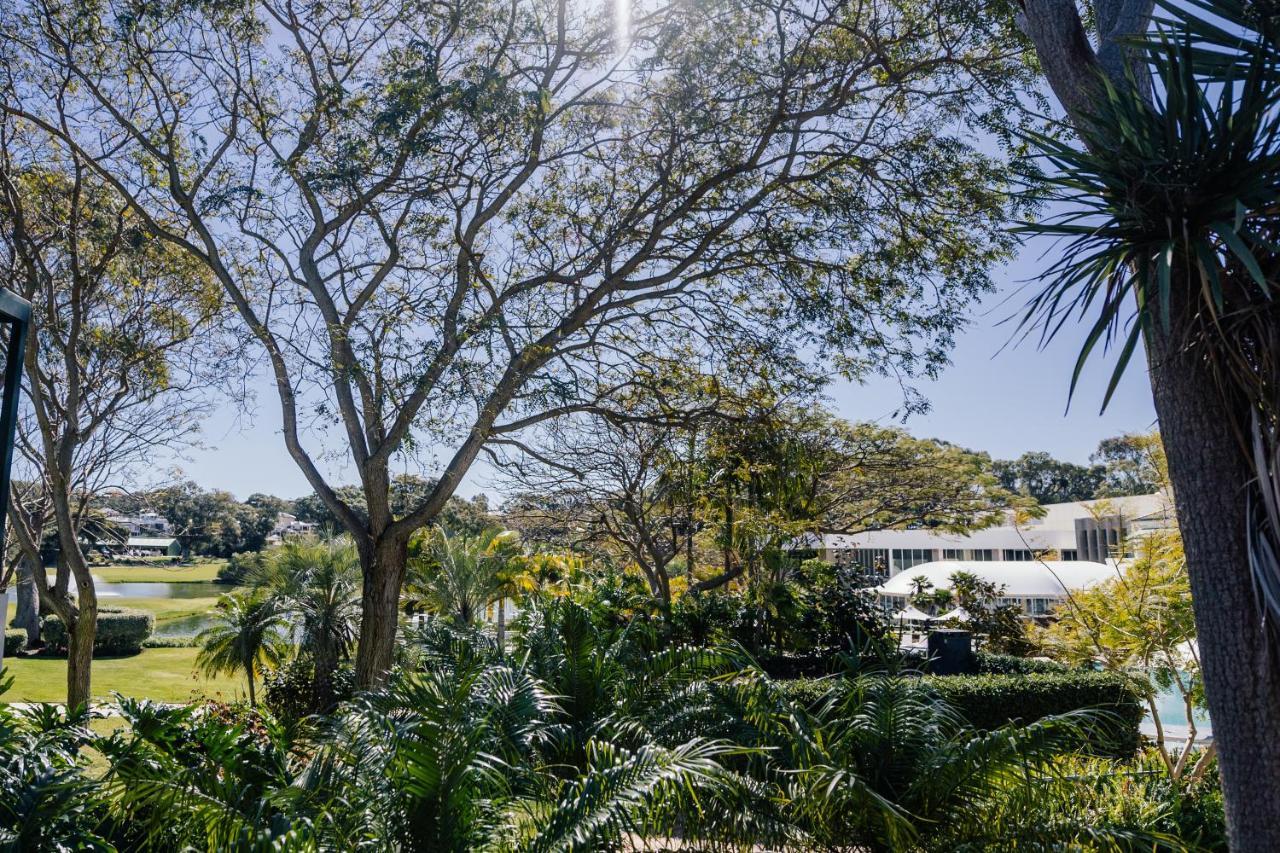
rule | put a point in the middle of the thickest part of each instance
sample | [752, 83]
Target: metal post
[15, 312]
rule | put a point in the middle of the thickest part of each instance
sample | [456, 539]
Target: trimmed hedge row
[993, 700]
[990, 701]
[120, 631]
[990, 662]
[15, 641]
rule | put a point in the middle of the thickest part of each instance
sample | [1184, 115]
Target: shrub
[996, 664]
[287, 689]
[170, 643]
[15, 641]
[1138, 797]
[239, 566]
[990, 701]
[120, 631]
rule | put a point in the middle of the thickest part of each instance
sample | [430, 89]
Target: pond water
[158, 589]
[1174, 713]
[182, 626]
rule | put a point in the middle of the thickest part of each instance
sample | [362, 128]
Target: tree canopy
[445, 223]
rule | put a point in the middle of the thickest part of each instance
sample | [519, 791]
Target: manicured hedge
[120, 631]
[989, 662]
[991, 701]
[15, 641]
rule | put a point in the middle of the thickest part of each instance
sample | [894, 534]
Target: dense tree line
[1127, 464]
[212, 522]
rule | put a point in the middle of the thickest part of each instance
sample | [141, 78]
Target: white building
[146, 523]
[1083, 530]
[288, 525]
[1036, 587]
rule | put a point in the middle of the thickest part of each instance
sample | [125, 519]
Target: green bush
[170, 643]
[805, 692]
[990, 701]
[287, 689]
[15, 641]
[239, 566]
[120, 631]
[996, 664]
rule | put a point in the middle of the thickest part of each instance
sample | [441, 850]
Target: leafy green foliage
[315, 586]
[45, 801]
[246, 635]
[121, 631]
[239, 567]
[206, 778]
[992, 663]
[990, 701]
[15, 641]
[458, 575]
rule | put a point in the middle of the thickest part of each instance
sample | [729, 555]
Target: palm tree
[1168, 240]
[459, 576]
[319, 583]
[246, 635]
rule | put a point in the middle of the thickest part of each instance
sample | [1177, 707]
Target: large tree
[1172, 242]
[112, 370]
[446, 222]
[769, 477]
[749, 472]
[1039, 475]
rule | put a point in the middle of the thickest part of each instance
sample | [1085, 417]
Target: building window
[1021, 555]
[952, 554]
[1070, 554]
[984, 554]
[873, 561]
[906, 558]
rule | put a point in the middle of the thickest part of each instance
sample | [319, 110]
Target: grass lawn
[202, 570]
[166, 675]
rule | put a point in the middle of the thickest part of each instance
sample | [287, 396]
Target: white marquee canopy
[1033, 579]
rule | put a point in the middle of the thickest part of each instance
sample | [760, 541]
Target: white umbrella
[911, 614]
[959, 614]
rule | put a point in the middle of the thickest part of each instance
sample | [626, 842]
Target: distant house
[147, 523]
[153, 546]
[287, 525]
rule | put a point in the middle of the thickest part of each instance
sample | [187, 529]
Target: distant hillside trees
[1126, 464]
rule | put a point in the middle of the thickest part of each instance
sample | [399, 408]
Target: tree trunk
[1209, 474]
[4, 608]
[253, 696]
[322, 687]
[80, 635]
[380, 610]
[27, 616]
[502, 624]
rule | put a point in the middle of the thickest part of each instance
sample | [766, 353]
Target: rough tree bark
[1209, 473]
[384, 573]
[27, 615]
[1207, 466]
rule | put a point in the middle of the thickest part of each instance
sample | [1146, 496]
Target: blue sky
[1002, 401]
[1010, 399]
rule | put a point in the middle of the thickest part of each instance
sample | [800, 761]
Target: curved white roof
[1030, 579]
